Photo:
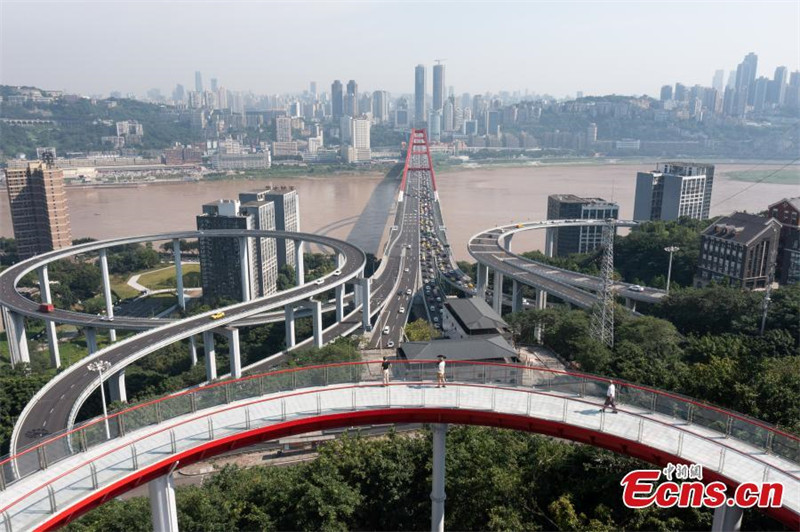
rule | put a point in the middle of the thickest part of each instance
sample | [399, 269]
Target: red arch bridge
[105, 457]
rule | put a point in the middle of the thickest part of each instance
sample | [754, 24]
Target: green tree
[421, 331]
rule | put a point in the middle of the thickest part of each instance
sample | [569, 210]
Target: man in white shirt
[440, 380]
[611, 394]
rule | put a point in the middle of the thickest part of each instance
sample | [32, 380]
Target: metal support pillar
[438, 495]
[483, 279]
[17, 339]
[549, 242]
[289, 313]
[299, 267]
[516, 296]
[497, 292]
[91, 339]
[112, 334]
[163, 511]
[211, 355]
[176, 253]
[235, 352]
[193, 350]
[727, 519]
[116, 387]
[316, 320]
[49, 325]
[364, 285]
[244, 257]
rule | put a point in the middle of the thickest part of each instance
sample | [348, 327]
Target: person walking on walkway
[440, 380]
[611, 394]
[385, 365]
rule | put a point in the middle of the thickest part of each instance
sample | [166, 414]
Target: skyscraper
[351, 100]
[380, 106]
[214, 84]
[438, 87]
[666, 93]
[419, 95]
[584, 239]
[39, 212]
[719, 81]
[312, 89]
[746, 77]
[198, 81]
[777, 87]
[673, 190]
[337, 100]
[287, 218]
[283, 129]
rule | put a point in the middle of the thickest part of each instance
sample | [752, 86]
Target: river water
[356, 207]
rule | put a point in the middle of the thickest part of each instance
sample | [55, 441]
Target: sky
[557, 48]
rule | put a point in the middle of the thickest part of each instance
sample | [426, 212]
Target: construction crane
[439, 61]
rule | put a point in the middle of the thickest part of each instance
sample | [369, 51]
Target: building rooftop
[740, 227]
[794, 202]
[486, 347]
[474, 313]
[572, 198]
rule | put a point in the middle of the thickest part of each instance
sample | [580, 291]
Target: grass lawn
[120, 287]
[787, 176]
[165, 278]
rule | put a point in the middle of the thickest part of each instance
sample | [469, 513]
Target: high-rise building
[760, 90]
[283, 129]
[449, 115]
[221, 258]
[351, 99]
[179, 94]
[419, 95]
[312, 89]
[740, 249]
[718, 83]
[777, 87]
[438, 87]
[672, 190]
[681, 93]
[198, 81]
[745, 80]
[584, 239]
[264, 259]
[435, 126]
[287, 218]
[380, 106]
[39, 212]
[666, 93]
[337, 100]
[214, 84]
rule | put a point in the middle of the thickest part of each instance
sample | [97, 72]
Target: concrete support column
[289, 312]
[112, 334]
[516, 296]
[630, 303]
[17, 339]
[211, 355]
[316, 320]
[49, 325]
[541, 299]
[549, 242]
[365, 303]
[193, 350]
[163, 511]
[507, 242]
[91, 339]
[438, 495]
[116, 387]
[356, 295]
[176, 253]
[727, 519]
[339, 303]
[235, 352]
[244, 255]
[497, 292]
[299, 267]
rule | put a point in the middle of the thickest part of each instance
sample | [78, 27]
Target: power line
[745, 189]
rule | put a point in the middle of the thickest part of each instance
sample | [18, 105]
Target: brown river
[356, 207]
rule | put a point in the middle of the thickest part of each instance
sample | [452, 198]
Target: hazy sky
[270, 47]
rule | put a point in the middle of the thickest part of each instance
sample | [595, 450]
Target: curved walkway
[151, 439]
[491, 248]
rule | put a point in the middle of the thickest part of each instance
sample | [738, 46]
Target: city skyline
[542, 47]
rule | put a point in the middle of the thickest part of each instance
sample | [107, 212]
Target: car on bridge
[217, 315]
[46, 307]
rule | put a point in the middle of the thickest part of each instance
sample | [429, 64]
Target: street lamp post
[670, 250]
[100, 366]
